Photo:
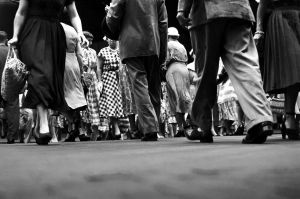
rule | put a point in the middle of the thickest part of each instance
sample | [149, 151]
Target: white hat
[172, 31]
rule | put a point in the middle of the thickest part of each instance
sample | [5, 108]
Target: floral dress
[126, 91]
[110, 100]
[90, 61]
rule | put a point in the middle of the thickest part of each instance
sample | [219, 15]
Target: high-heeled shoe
[40, 138]
[292, 134]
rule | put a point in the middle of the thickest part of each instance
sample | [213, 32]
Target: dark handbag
[14, 76]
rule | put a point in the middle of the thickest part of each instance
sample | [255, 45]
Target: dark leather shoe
[12, 141]
[203, 136]
[180, 133]
[70, 137]
[135, 134]
[83, 138]
[258, 134]
[207, 137]
[293, 134]
[43, 139]
[239, 130]
[150, 137]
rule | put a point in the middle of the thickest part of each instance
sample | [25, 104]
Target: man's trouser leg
[240, 59]
[145, 77]
[206, 40]
[12, 118]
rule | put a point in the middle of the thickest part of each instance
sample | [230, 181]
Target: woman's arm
[99, 67]
[79, 55]
[76, 22]
[19, 21]
[261, 13]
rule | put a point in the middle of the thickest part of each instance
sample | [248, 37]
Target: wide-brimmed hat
[88, 35]
[172, 31]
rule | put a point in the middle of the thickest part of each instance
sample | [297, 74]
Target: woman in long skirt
[279, 22]
[74, 94]
[42, 45]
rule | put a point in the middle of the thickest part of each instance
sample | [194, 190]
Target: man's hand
[84, 42]
[183, 21]
[259, 40]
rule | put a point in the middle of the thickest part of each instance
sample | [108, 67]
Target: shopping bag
[14, 76]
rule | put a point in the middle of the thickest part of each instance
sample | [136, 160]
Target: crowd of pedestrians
[142, 85]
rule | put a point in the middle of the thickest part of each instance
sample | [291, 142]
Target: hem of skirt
[282, 89]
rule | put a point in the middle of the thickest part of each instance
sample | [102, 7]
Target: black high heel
[292, 134]
[40, 139]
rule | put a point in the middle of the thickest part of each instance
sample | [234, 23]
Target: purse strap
[11, 53]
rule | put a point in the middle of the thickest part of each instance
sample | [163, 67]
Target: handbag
[14, 76]
[277, 105]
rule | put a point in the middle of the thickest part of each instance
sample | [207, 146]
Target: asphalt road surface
[170, 168]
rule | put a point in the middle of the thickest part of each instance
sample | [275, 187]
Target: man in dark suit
[222, 29]
[142, 30]
[11, 107]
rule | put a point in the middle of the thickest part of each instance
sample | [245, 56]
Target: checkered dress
[110, 99]
[93, 102]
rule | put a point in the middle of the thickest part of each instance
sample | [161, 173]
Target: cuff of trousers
[251, 123]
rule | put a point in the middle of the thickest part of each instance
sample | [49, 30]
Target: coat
[203, 11]
[142, 27]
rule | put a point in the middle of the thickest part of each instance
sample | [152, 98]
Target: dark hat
[88, 35]
[107, 32]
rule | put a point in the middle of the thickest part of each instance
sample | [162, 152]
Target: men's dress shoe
[180, 133]
[43, 138]
[84, 138]
[12, 141]
[70, 137]
[203, 136]
[135, 135]
[150, 137]
[258, 134]
[239, 130]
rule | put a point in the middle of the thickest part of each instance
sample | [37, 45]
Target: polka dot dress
[110, 99]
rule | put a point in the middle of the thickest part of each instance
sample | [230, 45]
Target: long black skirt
[43, 50]
[282, 50]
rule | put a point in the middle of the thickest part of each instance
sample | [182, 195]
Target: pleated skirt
[282, 50]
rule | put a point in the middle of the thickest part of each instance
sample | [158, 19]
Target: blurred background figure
[73, 90]
[10, 122]
[110, 102]
[178, 81]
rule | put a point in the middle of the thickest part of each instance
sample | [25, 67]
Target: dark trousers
[231, 40]
[144, 73]
[12, 118]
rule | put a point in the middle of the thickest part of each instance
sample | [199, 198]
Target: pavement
[172, 168]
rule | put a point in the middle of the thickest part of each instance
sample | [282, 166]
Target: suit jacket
[142, 26]
[3, 55]
[203, 11]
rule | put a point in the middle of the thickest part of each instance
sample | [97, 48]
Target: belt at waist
[48, 18]
[109, 70]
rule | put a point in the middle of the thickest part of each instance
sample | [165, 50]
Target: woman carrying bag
[42, 46]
